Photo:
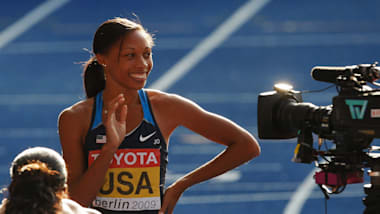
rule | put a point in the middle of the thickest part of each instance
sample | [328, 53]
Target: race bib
[132, 181]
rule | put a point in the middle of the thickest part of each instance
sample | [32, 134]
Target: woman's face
[129, 63]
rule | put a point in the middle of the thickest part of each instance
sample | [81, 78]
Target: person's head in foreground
[38, 184]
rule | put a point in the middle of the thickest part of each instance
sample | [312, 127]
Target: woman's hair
[38, 182]
[108, 34]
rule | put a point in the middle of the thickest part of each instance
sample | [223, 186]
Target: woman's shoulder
[171, 103]
[78, 110]
[2, 206]
[160, 97]
[71, 207]
[77, 115]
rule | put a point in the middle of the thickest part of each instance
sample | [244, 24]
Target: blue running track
[236, 50]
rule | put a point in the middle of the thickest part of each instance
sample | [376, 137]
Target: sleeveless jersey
[135, 180]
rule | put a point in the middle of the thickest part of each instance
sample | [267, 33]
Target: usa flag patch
[101, 139]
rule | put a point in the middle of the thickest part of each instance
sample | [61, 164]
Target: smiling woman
[114, 51]
[115, 142]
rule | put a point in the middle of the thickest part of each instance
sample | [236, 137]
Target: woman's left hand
[172, 194]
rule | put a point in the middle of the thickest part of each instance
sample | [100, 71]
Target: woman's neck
[131, 95]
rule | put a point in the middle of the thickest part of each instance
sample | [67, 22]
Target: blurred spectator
[38, 185]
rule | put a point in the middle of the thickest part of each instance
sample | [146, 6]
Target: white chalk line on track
[206, 46]
[257, 197]
[29, 20]
[299, 197]
[252, 41]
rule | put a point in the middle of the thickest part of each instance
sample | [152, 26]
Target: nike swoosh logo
[143, 139]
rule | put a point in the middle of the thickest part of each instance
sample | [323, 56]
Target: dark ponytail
[109, 33]
[93, 77]
[38, 182]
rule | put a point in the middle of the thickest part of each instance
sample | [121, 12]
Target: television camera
[351, 122]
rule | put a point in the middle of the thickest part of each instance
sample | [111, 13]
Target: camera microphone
[327, 73]
[366, 72]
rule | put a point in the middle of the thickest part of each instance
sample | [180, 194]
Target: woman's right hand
[115, 121]
[85, 181]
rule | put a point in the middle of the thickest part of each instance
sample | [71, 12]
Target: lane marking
[302, 193]
[257, 197]
[206, 46]
[29, 20]
[28, 133]
[63, 99]
[244, 187]
[39, 99]
[228, 177]
[182, 169]
[244, 42]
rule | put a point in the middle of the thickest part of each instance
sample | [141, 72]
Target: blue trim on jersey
[98, 110]
[145, 106]
[144, 102]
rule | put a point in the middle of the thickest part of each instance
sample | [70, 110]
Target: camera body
[351, 122]
[282, 114]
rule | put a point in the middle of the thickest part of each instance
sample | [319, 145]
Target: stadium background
[233, 49]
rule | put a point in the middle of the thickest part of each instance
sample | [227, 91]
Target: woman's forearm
[233, 156]
[84, 190]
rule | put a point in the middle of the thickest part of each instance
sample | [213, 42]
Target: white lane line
[234, 198]
[267, 41]
[28, 20]
[223, 98]
[228, 177]
[302, 193]
[45, 47]
[39, 99]
[255, 168]
[244, 187]
[215, 39]
[257, 197]
[28, 133]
